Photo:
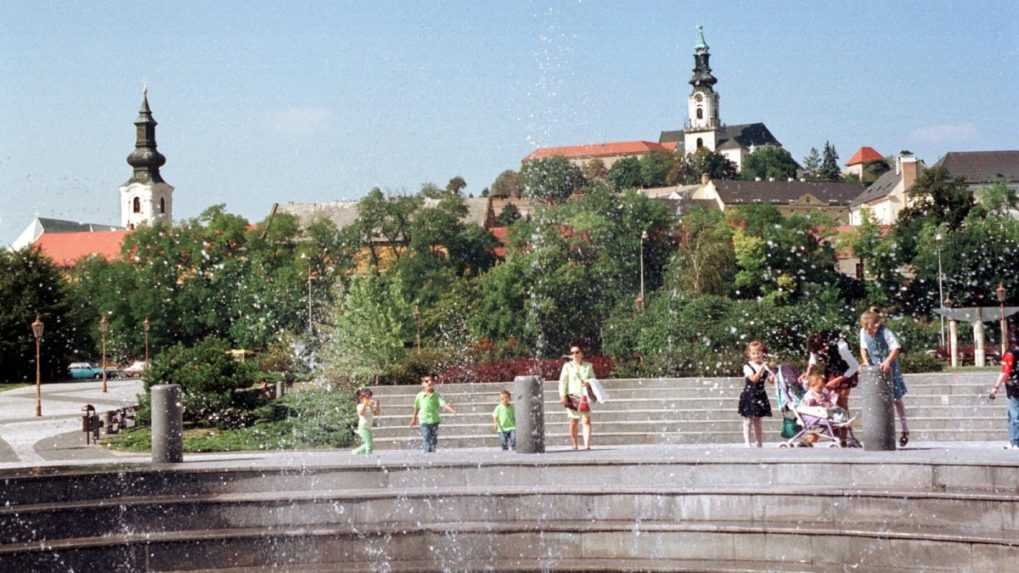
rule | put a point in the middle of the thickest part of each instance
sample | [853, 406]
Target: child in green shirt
[505, 421]
[426, 410]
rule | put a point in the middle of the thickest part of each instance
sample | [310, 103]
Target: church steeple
[145, 199]
[702, 69]
[145, 159]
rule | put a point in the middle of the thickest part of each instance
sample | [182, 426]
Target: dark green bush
[920, 362]
[208, 377]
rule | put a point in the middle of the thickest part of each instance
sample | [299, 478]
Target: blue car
[88, 371]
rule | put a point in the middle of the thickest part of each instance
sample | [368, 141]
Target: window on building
[136, 205]
[700, 113]
[162, 204]
[700, 143]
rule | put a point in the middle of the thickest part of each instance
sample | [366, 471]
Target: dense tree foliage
[551, 179]
[31, 286]
[769, 162]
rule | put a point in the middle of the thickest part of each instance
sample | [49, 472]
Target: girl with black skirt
[753, 401]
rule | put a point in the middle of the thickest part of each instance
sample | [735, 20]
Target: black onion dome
[145, 159]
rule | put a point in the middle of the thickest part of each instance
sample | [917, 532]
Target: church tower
[145, 198]
[702, 105]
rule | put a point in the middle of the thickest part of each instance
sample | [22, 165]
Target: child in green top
[505, 421]
[426, 409]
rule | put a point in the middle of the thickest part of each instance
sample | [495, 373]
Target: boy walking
[505, 421]
[426, 410]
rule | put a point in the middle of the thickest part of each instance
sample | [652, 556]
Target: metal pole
[309, 299]
[643, 237]
[167, 424]
[941, 293]
[104, 361]
[529, 403]
[38, 381]
[878, 416]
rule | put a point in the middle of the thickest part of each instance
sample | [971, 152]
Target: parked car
[134, 370]
[88, 370]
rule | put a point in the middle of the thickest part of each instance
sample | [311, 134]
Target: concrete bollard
[878, 411]
[167, 424]
[281, 389]
[529, 404]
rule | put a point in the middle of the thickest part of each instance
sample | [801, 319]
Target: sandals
[904, 439]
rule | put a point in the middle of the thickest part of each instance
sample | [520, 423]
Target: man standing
[1010, 378]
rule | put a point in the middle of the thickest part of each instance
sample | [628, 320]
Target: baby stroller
[824, 423]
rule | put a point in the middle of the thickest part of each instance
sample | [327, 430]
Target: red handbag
[585, 405]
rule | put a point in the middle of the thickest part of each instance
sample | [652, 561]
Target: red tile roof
[864, 155]
[601, 149]
[65, 249]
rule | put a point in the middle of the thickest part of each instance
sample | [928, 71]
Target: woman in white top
[830, 356]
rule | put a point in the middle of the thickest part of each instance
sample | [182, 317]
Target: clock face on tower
[698, 98]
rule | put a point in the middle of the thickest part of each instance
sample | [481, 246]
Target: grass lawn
[5, 386]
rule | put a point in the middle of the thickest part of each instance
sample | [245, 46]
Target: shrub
[912, 362]
[208, 377]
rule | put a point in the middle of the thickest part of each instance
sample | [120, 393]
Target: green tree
[655, 168]
[996, 199]
[31, 285]
[704, 262]
[812, 165]
[780, 257]
[373, 328]
[456, 185]
[509, 215]
[507, 184]
[625, 174]
[714, 165]
[830, 170]
[551, 179]
[595, 170]
[767, 162]
[938, 197]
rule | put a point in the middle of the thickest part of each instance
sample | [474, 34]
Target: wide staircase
[657, 508]
[941, 408]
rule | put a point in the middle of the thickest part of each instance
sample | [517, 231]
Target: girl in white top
[367, 409]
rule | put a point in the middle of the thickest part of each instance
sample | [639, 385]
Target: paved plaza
[28, 440]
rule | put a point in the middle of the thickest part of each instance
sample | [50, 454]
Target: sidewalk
[28, 440]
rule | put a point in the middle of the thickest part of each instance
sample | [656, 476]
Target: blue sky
[321, 101]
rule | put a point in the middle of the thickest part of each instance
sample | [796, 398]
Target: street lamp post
[145, 327]
[417, 326]
[643, 239]
[1000, 292]
[941, 290]
[104, 327]
[37, 328]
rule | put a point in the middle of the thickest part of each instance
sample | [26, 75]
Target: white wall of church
[708, 140]
[145, 204]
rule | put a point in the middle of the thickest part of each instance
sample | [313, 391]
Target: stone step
[559, 438]
[966, 403]
[665, 393]
[449, 546]
[975, 379]
[660, 427]
[987, 515]
[605, 414]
